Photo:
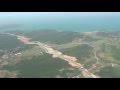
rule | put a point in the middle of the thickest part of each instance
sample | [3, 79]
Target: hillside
[97, 52]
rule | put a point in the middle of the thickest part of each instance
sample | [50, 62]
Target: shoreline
[2, 31]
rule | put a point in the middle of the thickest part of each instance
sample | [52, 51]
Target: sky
[59, 20]
[16, 17]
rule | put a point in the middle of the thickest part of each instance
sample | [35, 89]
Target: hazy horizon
[71, 21]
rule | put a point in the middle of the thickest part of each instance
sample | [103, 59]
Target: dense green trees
[41, 66]
[53, 36]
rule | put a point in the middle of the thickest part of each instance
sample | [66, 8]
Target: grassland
[34, 51]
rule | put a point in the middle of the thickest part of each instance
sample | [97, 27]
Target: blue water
[62, 21]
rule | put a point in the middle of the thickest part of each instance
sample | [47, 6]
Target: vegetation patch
[80, 52]
[90, 39]
[53, 36]
[9, 42]
[109, 72]
[42, 66]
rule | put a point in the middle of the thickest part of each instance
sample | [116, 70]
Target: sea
[80, 22]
